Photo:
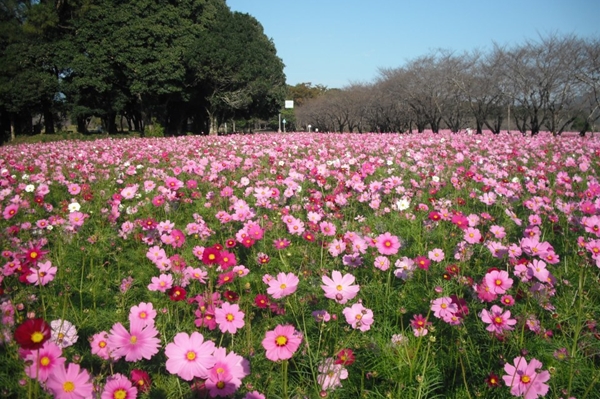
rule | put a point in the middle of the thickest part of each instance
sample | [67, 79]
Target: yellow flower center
[143, 315]
[44, 361]
[68, 386]
[102, 344]
[339, 287]
[191, 355]
[133, 339]
[281, 340]
[220, 384]
[33, 255]
[120, 394]
[358, 316]
[283, 286]
[229, 317]
[211, 257]
[525, 379]
[220, 370]
[37, 337]
[498, 320]
[498, 281]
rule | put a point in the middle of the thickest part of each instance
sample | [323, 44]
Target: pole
[279, 128]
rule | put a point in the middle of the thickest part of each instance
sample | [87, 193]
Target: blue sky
[337, 42]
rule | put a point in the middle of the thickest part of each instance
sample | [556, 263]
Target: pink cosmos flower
[538, 267]
[359, 317]
[443, 307]
[436, 255]
[281, 343]
[498, 281]
[387, 244]
[339, 288]
[336, 247]
[497, 319]
[382, 263]
[70, 382]
[225, 377]
[331, 374]
[140, 343]
[119, 386]
[99, 345]
[420, 325]
[229, 318]
[144, 313]
[472, 235]
[327, 228]
[283, 285]
[189, 356]
[10, 211]
[162, 283]
[254, 395]
[42, 362]
[525, 379]
[42, 274]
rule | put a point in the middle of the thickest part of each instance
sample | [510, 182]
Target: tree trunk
[48, 121]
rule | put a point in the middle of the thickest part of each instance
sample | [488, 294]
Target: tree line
[188, 65]
[550, 84]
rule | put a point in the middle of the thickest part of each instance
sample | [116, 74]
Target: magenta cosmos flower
[70, 382]
[281, 343]
[42, 274]
[497, 319]
[339, 288]
[229, 318]
[119, 386]
[283, 285]
[524, 379]
[140, 343]
[190, 356]
[359, 317]
[387, 244]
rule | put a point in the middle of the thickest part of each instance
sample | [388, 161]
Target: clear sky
[337, 42]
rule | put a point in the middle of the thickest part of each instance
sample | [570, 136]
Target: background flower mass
[301, 265]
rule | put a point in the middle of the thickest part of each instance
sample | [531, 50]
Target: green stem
[578, 327]
[284, 369]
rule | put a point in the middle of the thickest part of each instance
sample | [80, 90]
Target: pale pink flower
[189, 356]
[162, 283]
[525, 379]
[339, 288]
[144, 313]
[436, 255]
[70, 382]
[283, 285]
[472, 235]
[443, 307]
[359, 317]
[42, 274]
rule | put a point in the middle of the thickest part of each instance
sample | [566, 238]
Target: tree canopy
[188, 64]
